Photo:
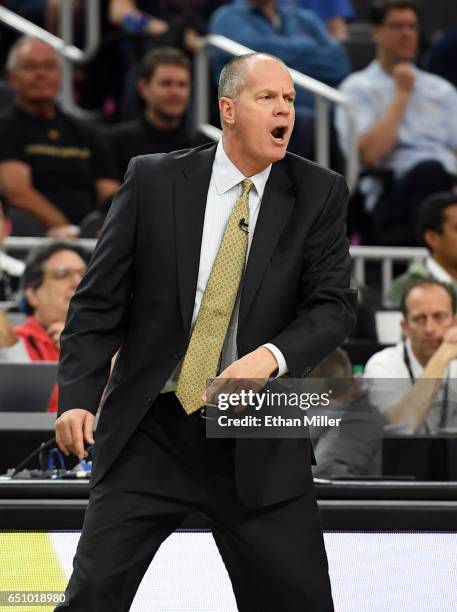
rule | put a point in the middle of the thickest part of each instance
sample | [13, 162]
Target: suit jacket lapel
[277, 203]
[190, 194]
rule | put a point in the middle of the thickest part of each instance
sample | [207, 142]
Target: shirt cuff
[17, 353]
[282, 365]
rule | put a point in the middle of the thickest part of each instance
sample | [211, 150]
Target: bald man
[164, 285]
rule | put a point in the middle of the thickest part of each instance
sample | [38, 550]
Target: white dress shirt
[389, 380]
[224, 189]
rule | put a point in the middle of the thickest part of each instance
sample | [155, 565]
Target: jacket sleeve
[96, 320]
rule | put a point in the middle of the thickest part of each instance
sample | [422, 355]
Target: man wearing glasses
[406, 124]
[52, 274]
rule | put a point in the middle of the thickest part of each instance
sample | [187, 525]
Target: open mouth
[278, 134]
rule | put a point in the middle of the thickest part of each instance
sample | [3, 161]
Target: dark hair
[428, 282]
[168, 56]
[336, 370]
[431, 212]
[380, 8]
[34, 264]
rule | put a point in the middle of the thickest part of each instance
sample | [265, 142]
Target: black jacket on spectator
[66, 156]
[140, 137]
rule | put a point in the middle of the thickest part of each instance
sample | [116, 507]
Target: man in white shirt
[407, 379]
[10, 269]
[437, 227]
[406, 122]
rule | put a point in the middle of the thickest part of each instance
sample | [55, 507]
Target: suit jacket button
[149, 402]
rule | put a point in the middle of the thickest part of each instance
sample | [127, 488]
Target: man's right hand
[404, 77]
[449, 345]
[73, 428]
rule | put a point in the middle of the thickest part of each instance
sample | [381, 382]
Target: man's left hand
[251, 371]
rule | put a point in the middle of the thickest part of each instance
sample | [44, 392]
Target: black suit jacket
[138, 294]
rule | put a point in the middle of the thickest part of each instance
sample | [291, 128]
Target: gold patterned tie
[201, 360]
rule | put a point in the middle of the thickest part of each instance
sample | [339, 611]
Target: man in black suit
[161, 287]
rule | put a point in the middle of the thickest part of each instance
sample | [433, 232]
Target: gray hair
[231, 80]
[17, 46]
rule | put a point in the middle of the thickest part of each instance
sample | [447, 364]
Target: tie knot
[247, 186]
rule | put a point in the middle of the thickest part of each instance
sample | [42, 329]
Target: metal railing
[64, 44]
[386, 256]
[324, 95]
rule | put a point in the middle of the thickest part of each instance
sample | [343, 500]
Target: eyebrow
[291, 93]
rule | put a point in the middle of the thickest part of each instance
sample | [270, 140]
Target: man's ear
[30, 294]
[404, 327]
[431, 239]
[141, 87]
[227, 110]
[375, 34]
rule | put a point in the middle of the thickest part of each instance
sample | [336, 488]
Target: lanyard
[444, 401]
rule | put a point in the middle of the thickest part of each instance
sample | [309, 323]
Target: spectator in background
[10, 269]
[443, 54]
[165, 87]
[293, 34]
[53, 167]
[52, 274]
[406, 379]
[437, 227]
[140, 17]
[354, 448]
[406, 124]
[333, 13]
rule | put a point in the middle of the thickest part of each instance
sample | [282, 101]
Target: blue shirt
[429, 126]
[300, 40]
[326, 9]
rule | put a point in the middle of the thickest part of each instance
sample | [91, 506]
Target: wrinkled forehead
[266, 73]
[427, 301]
[36, 50]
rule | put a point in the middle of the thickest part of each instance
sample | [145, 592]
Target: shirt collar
[416, 367]
[438, 271]
[226, 175]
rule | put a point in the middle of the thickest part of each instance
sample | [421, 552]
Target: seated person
[52, 274]
[53, 167]
[333, 13]
[165, 87]
[293, 34]
[437, 227]
[354, 448]
[148, 18]
[406, 121]
[11, 269]
[413, 383]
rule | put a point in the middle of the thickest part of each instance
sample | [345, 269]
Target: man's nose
[430, 325]
[282, 108]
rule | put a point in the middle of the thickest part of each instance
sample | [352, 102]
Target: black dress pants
[275, 555]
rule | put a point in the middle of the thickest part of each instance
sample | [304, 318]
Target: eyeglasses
[31, 66]
[64, 273]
